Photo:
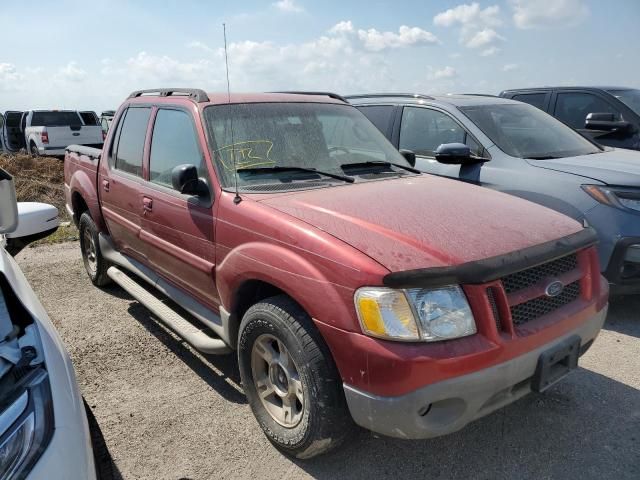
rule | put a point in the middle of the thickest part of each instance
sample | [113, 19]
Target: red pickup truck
[353, 288]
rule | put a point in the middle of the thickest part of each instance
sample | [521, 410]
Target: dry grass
[40, 179]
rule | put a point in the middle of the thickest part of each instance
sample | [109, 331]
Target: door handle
[147, 204]
[105, 185]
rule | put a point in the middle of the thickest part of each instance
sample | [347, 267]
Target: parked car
[43, 423]
[49, 132]
[351, 285]
[106, 118]
[517, 149]
[609, 115]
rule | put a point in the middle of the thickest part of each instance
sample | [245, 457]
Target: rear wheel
[94, 263]
[33, 149]
[290, 380]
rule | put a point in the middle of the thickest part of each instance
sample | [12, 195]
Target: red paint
[319, 246]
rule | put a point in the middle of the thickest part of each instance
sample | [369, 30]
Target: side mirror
[184, 178]
[409, 156]
[454, 154]
[606, 122]
[8, 204]
[35, 221]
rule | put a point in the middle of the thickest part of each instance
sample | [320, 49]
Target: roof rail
[403, 95]
[324, 94]
[479, 95]
[194, 93]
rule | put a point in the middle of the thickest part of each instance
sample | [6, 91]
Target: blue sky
[90, 55]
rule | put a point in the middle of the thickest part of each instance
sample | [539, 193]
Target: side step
[189, 332]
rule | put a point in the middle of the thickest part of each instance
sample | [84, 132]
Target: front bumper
[623, 270]
[447, 406]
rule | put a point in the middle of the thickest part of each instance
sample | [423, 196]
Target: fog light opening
[424, 410]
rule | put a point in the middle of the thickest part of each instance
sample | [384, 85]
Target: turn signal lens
[385, 313]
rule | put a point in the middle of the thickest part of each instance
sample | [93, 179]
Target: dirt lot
[168, 412]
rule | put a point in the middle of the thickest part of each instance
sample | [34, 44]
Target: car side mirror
[607, 122]
[184, 178]
[409, 156]
[35, 221]
[8, 204]
[454, 154]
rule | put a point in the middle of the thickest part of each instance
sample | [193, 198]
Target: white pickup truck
[49, 132]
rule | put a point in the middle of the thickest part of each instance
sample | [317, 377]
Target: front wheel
[290, 379]
[94, 263]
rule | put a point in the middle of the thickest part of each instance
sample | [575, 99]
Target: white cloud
[375, 41]
[198, 45]
[71, 72]
[8, 74]
[476, 25]
[446, 72]
[288, 6]
[548, 13]
[487, 52]
[509, 67]
[483, 38]
[342, 27]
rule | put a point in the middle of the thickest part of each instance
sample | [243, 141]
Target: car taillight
[44, 136]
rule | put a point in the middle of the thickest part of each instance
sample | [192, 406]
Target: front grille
[532, 276]
[540, 306]
[494, 308]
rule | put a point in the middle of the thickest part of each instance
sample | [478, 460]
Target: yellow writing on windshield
[247, 154]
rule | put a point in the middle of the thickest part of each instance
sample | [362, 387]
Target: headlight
[615, 197]
[418, 314]
[26, 427]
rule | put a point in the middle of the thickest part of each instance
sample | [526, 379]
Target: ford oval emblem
[554, 289]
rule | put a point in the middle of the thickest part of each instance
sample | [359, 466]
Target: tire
[101, 456]
[318, 419]
[33, 150]
[94, 263]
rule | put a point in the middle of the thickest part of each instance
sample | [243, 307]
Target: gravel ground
[168, 412]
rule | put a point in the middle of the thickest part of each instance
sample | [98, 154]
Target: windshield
[524, 131]
[320, 136]
[631, 98]
[55, 119]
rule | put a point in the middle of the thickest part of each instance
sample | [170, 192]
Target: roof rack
[479, 95]
[194, 93]
[378, 95]
[324, 94]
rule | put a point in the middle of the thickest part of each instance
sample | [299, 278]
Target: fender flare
[84, 185]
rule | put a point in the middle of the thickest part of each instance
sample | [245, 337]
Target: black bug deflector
[493, 268]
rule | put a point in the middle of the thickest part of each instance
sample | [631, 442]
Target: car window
[535, 99]
[379, 115]
[630, 97]
[521, 130]
[105, 126]
[423, 130]
[131, 141]
[55, 119]
[572, 108]
[174, 142]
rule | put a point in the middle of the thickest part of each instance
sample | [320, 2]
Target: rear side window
[535, 99]
[55, 119]
[131, 142]
[380, 116]
[89, 118]
[423, 130]
[572, 108]
[174, 142]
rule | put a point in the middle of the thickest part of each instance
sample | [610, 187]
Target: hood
[612, 167]
[425, 221]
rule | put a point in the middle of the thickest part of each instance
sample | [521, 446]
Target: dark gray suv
[518, 149]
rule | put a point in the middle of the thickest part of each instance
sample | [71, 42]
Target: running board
[197, 338]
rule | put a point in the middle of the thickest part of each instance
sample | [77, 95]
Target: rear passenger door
[177, 229]
[120, 181]
[572, 108]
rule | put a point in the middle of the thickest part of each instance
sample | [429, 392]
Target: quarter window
[572, 108]
[423, 130]
[131, 142]
[174, 142]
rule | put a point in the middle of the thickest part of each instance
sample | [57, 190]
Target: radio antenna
[237, 199]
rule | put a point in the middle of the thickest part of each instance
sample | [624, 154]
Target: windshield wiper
[292, 168]
[382, 163]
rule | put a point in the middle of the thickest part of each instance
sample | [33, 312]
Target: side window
[380, 116]
[174, 142]
[535, 99]
[572, 108]
[131, 142]
[423, 130]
